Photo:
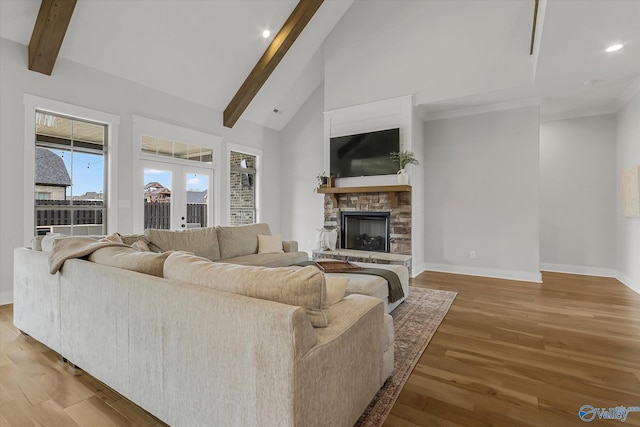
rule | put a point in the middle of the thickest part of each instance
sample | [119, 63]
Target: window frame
[143, 126]
[33, 104]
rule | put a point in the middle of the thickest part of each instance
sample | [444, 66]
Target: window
[176, 149]
[70, 175]
[242, 188]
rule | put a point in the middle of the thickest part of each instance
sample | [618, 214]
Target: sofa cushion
[303, 287]
[269, 260]
[336, 288]
[270, 244]
[241, 240]
[200, 241]
[130, 259]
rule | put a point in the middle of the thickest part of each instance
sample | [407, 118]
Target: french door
[175, 196]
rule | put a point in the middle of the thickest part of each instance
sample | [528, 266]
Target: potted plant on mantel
[324, 180]
[404, 159]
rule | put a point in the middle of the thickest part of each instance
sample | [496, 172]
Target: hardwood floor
[39, 389]
[507, 354]
[516, 353]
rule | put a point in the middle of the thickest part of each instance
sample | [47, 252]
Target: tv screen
[364, 154]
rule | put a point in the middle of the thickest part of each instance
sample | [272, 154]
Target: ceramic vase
[403, 177]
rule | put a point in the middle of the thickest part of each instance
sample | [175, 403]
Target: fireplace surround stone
[400, 214]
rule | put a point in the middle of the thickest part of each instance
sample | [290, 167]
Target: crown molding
[598, 111]
[490, 108]
[628, 93]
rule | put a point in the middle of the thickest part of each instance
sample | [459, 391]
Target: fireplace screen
[366, 231]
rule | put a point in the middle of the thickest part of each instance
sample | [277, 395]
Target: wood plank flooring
[516, 353]
[507, 354]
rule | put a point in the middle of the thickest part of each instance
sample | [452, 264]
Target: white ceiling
[203, 50]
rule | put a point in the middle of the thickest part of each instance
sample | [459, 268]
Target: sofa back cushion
[200, 241]
[240, 240]
[303, 287]
[130, 259]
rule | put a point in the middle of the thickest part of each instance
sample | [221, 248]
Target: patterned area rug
[414, 322]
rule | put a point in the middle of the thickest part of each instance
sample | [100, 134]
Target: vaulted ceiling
[203, 50]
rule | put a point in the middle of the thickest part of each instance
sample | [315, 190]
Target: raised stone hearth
[398, 204]
[363, 256]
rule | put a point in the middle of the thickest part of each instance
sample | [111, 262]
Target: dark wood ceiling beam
[281, 43]
[48, 33]
[533, 28]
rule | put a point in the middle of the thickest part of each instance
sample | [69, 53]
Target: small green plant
[322, 178]
[404, 158]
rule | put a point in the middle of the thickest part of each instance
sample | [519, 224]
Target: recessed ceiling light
[266, 34]
[613, 48]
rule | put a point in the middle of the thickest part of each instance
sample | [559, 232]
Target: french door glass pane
[197, 187]
[157, 198]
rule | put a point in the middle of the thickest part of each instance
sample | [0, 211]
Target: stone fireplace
[389, 202]
[365, 231]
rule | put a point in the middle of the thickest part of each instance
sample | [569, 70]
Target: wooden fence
[46, 216]
[156, 214]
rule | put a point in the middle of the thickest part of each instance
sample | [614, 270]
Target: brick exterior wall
[400, 223]
[57, 193]
[241, 199]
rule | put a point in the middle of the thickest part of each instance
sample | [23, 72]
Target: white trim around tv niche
[370, 117]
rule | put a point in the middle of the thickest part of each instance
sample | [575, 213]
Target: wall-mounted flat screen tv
[364, 154]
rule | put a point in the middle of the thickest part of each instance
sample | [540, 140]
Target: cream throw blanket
[65, 248]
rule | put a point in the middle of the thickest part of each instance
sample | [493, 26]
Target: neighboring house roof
[197, 197]
[50, 169]
[153, 185]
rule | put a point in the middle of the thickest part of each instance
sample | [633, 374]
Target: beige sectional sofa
[211, 344]
[235, 245]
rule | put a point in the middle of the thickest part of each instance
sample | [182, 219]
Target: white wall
[79, 85]
[302, 159]
[577, 195]
[481, 194]
[385, 49]
[628, 155]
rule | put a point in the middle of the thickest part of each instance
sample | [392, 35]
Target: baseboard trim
[578, 269]
[626, 280]
[418, 269]
[6, 298]
[522, 276]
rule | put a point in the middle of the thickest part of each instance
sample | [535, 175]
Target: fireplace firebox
[366, 231]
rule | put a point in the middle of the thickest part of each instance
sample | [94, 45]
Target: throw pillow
[36, 243]
[302, 287]
[336, 288]
[270, 244]
[115, 237]
[141, 246]
[47, 241]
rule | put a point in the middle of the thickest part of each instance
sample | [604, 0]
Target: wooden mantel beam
[48, 33]
[281, 43]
